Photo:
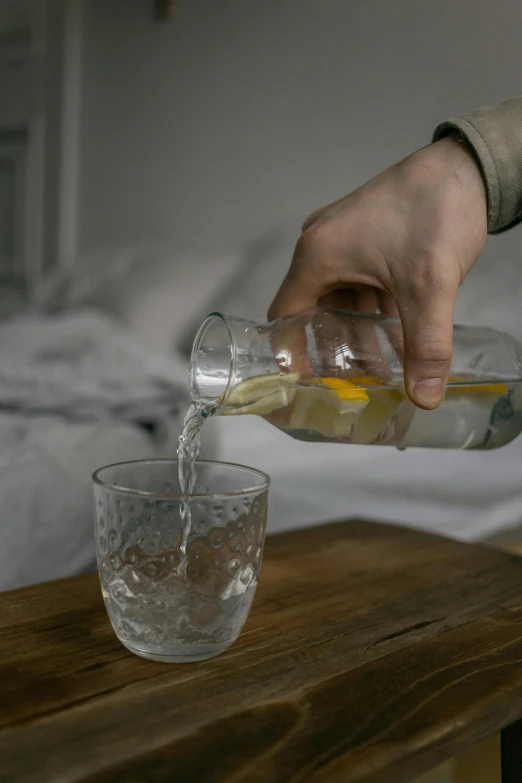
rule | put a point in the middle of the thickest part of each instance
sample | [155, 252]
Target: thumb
[427, 323]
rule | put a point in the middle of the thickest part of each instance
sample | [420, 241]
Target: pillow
[152, 290]
[250, 290]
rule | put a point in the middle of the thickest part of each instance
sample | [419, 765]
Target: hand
[401, 245]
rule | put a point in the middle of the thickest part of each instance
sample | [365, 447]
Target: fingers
[293, 296]
[323, 262]
[290, 347]
[340, 299]
[387, 304]
[427, 322]
[308, 279]
[324, 212]
[366, 300]
[311, 219]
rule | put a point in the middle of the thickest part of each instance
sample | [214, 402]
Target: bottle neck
[212, 361]
[225, 352]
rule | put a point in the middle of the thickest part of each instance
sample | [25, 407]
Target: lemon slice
[352, 398]
[477, 388]
[329, 407]
[262, 394]
[378, 420]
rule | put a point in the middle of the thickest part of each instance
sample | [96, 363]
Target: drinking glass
[171, 598]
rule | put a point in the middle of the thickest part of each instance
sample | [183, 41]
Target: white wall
[213, 128]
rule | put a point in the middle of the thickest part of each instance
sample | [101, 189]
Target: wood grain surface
[372, 653]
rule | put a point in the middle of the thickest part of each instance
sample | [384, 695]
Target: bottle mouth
[212, 362]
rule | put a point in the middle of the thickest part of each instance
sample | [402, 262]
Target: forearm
[495, 134]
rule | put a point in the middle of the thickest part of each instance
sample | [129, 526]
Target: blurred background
[156, 162]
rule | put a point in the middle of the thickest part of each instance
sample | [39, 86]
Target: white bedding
[46, 529]
[467, 495]
[76, 392]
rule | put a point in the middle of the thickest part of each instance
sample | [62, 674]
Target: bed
[151, 302]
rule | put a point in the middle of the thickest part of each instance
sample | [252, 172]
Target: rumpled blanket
[76, 392]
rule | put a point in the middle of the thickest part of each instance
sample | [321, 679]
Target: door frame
[46, 146]
[22, 142]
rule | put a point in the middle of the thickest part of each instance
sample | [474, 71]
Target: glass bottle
[336, 376]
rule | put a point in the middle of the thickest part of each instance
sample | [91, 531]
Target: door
[33, 59]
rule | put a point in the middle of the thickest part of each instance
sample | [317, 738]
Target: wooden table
[372, 653]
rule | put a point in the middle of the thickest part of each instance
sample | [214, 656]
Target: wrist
[462, 161]
[453, 159]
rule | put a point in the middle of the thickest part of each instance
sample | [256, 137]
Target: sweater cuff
[495, 135]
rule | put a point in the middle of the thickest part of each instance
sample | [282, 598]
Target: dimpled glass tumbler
[173, 598]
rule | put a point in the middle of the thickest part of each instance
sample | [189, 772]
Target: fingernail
[428, 392]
